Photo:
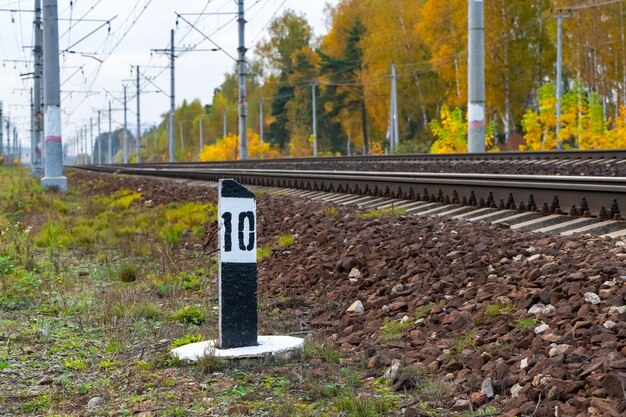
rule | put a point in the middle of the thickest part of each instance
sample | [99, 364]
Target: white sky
[197, 73]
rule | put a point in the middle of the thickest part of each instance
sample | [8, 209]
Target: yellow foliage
[227, 149]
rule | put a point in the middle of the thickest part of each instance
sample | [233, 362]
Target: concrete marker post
[237, 285]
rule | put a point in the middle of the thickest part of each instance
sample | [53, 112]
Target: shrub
[190, 315]
[127, 273]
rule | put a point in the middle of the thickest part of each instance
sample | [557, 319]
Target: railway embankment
[403, 315]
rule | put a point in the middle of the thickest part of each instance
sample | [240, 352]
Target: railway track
[563, 204]
[610, 163]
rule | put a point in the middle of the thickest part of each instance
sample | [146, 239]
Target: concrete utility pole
[172, 143]
[91, 138]
[53, 163]
[99, 140]
[559, 77]
[243, 99]
[200, 126]
[138, 139]
[225, 129]
[314, 111]
[476, 77]
[110, 152]
[261, 119]
[182, 137]
[36, 150]
[1, 138]
[125, 129]
[395, 131]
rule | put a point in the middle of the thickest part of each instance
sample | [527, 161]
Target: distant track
[610, 163]
[581, 196]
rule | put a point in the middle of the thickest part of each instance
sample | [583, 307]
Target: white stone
[419, 321]
[491, 269]
[404, 319]
[609, 324]
[549, 310]
[504, 260]
[534, 257]
[392, 372]
[617, 310]
[355, 273]
[487, 388]
[523, 363]
[492, 276]
[356, 307]
[385, 309]
[95, 402]
[518, 258]
[541, 328]
[592, 298]
[398, 288]
[537, 309]
[268, 346]
[556, 350]
[515, 390]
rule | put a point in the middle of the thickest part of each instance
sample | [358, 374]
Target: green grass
[526, 323]
[326, 352]
[498, 309]
[286, 241]
[375, 214]
[187, 339]
[263, 252]
[190, 315]
[394, 330]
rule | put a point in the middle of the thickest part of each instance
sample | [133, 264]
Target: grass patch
[394, 330]
[326, 352]
[263, 252]
[187, 339]
[375, 214]
[499, 309]
[526, 323]
[331, 211]
[127, 273]
[286, 241]
[190, 315]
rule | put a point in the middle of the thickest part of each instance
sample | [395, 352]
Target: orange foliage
[227, 149]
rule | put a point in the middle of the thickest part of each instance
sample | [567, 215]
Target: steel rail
[550, 194]
[489, 156]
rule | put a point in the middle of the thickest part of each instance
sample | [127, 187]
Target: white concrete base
[283, 347]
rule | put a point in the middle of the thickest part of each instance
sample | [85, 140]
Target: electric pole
[99, 140]
[201, 138]
[38, 111]
[1, 138]
[395, 131]
[110, 152]
[125, 130]
[476, 77]
[261, 119]
[314, 111]
[559, 77]
[91, 138]
[172, 143]
[138, 139]
[53, 163]
[243, 99]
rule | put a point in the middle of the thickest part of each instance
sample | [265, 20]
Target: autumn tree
[287, 34]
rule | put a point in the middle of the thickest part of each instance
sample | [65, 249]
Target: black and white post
[237, 287]
[238, 268]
